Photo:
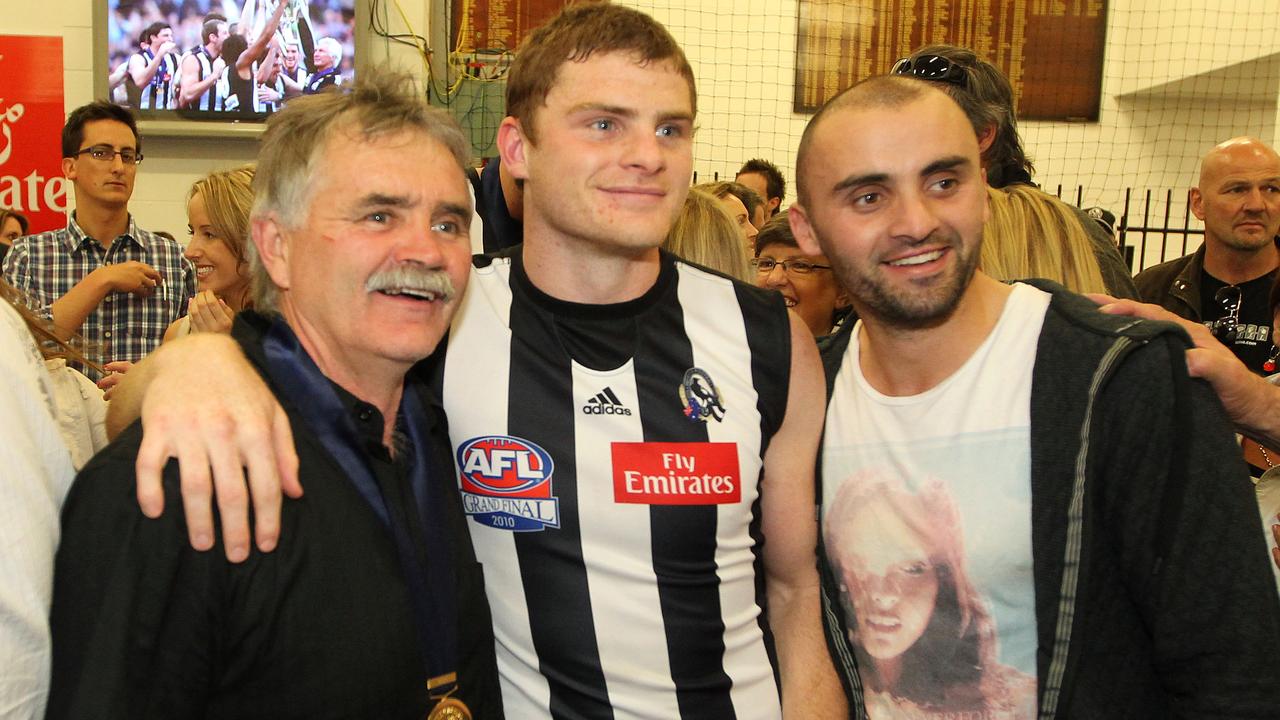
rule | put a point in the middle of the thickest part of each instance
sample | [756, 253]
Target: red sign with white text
[657, 473]
[31, 118]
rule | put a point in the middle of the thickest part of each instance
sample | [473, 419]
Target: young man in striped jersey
[626, 426]
[634, 436]
[153, 69]
[1028, 507]
[202, 68]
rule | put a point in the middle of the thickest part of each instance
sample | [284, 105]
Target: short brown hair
[577, 32]
[6, 213]
[777, 231]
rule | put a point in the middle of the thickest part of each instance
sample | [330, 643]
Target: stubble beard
[917, 306]
[1240, 243]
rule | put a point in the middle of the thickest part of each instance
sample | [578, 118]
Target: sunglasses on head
[934, 68]
[1224, 328]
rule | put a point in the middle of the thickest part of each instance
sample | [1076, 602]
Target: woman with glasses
[805, 281]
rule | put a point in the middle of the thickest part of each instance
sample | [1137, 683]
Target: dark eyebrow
[856, 180]
[943, 164]
[948, 163]
[454, 209]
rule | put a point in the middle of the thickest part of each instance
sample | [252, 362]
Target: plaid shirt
[124, 326]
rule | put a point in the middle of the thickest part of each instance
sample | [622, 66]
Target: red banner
[31, 118]
[676, 473]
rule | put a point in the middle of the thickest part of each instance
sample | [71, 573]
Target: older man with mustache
[372, 605]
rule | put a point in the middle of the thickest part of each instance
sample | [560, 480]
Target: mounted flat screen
[213, 67]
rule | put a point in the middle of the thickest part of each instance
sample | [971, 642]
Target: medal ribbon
[427, 570]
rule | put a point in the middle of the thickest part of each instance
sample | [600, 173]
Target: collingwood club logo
[700, 396]
[605, 403]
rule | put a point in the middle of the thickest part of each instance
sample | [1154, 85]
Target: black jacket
[322, 627]
[1153, 594]
[1175, 285]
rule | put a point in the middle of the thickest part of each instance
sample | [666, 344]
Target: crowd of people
[565, 437]
[269, 52]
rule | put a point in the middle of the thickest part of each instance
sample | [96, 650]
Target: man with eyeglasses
[102, 276]
[1225, 284]
[985, 95]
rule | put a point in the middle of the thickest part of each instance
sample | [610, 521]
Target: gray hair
[333, 47]
[379, 103]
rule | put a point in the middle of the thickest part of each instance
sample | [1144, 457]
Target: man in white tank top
[1028, 509]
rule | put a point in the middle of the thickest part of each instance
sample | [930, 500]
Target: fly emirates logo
[676, 473]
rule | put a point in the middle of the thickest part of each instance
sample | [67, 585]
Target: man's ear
[773, 205]
[986, 139]
[69, 168]
[1197, 203]
[511, 143]
[273, 246]
[806, 239]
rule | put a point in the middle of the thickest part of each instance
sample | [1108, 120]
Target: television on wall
[220, 67]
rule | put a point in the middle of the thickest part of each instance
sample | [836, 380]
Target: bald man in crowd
[1225, 284]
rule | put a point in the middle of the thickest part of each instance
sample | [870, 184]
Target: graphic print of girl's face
[889, 583]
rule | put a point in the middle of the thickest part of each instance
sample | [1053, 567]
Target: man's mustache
[412, 278]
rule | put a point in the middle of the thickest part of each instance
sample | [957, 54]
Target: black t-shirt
[1252, 343]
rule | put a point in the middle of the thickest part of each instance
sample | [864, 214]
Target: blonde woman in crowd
[1031, 234]
[218, 208]
[731, 194]
[705, 233]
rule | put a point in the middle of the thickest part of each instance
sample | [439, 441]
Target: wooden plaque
[489, 25]
[1051, 50]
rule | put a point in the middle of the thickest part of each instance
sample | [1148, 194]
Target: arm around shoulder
[203, 403]
[1190, 538]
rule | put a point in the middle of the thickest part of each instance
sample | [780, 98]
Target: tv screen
[229, 60]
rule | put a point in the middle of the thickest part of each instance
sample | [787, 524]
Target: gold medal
[450, 709]
[447, 708]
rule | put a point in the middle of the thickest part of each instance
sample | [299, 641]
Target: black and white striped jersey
[616, 511]
[157, 94]
[213, 99]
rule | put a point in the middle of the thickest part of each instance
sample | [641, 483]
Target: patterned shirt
[124, 326]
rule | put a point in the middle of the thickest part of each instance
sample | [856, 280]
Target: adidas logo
[605, 403]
